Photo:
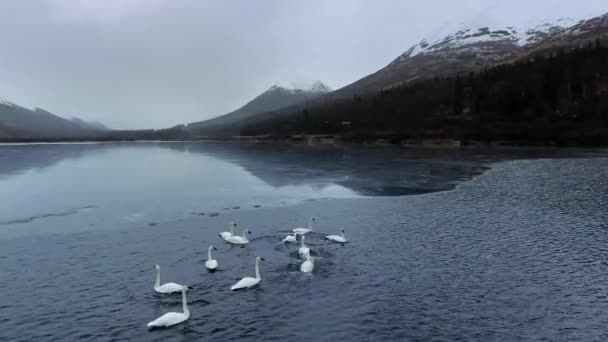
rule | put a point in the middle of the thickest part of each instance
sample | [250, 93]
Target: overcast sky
[156, 63]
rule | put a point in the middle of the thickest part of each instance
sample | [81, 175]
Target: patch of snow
[315, 87]
[8, 103]
[466, 36]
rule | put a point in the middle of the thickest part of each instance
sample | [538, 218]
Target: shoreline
[315, 141]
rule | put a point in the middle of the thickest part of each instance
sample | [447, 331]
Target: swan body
[226, 235]
[291, 238]
[308, 265]
[166, 287]
[248, 282]
[172, 318]
[211, 264]
[303, 251]
[303, 231]
[239, 240]
[337, 238]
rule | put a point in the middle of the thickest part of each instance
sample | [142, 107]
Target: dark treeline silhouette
[558, 97]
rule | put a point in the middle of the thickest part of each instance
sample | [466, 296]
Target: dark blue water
[517, 253]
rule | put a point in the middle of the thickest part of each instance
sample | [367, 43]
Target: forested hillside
[557, 96]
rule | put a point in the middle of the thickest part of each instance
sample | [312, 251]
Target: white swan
[308, 265]
[226, 235]
[172, 318]
[239, 240]
[303, 251]
[337, 238]
[248, 282]
[291, 238]
[167, 287]
[211, 263]
[303, 231]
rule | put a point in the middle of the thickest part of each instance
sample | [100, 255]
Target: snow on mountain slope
[8, 103]
[469, 39]
[313, 87]
[469, 49]
[276, 97]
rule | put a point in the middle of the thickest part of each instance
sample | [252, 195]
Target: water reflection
[95, 186]
[15, 159]
[367, 171]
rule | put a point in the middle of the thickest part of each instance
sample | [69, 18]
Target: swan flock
[211, 264]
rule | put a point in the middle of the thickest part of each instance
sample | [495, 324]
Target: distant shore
[326, 139]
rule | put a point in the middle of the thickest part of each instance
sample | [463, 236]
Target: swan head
[248, 231]
[233, 224]
[341, 230]
[157, 267]
[212, 248]
[260, 259]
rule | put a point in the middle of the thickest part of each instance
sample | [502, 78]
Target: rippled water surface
[445, 244]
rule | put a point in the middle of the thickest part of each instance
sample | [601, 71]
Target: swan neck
[185, 302]
[231, 228]
[257, 269]
[157, 278]
[302, 241]
[343, 236]
[209, 252]
[310, 224]
[245, 234]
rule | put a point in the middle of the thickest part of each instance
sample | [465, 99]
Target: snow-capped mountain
[470, 49]
[474, 40]
[276, 97]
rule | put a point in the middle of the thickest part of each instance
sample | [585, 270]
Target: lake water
[80, 187]
[449, 244]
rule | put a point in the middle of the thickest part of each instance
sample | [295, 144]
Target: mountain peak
[278, 96]
[469, 39]
[308, 87]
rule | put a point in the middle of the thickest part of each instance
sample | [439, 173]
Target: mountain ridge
[17, 122]
[471, 49]
[276, 97]
[555, 97]
[467, 50]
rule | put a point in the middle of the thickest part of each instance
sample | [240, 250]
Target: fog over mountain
[17, 122]
[157, 63]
